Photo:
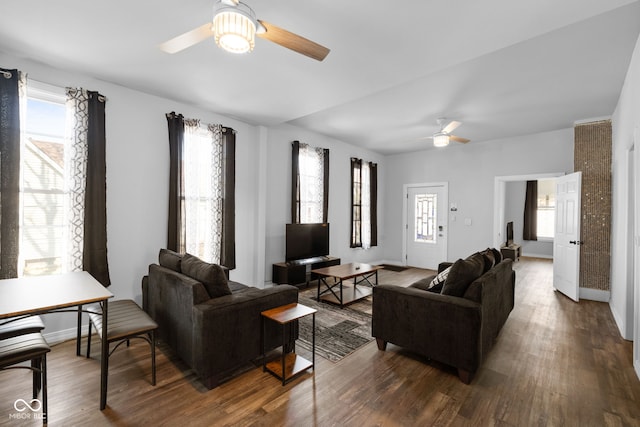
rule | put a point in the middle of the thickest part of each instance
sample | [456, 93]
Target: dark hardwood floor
[555, 363]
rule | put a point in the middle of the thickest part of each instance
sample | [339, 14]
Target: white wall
[625, 121]
[470, 170]
[278, 210]
[514, 211]
[137, 155]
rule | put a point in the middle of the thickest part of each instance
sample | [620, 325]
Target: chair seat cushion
[21, 348]
[125, 319]
[28, 325]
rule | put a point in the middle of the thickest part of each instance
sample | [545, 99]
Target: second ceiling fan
[234, 28]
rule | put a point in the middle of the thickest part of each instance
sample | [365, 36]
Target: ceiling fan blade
[459, 139]
[187, 39]
[451, 126]
[293, 41]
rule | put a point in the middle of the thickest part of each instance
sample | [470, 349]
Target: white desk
[29, 296]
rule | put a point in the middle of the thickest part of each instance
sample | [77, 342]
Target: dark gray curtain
[373, 168]
[295, 184]
[530, 229]
[175, 230]
[228, 252]
[9, 172]
[95, 210]
[325, 178]
[356, 203]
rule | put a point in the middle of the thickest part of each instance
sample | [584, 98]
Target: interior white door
[426, 227]
[566, 242]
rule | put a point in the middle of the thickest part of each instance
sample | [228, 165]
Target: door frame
[405, 211]
[499, 202]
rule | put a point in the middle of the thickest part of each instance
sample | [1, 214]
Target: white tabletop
[39, 294]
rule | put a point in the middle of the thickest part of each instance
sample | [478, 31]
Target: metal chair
[126, 321]
[28, 347]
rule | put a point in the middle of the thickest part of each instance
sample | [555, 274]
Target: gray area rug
[339, 331]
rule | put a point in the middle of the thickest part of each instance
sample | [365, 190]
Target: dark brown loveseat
[456, 329]
[213, 324]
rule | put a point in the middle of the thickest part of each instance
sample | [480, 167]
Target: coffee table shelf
[288, 365]
[342, 293]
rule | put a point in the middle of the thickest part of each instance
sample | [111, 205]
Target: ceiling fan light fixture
[440, 139]
[234, 28]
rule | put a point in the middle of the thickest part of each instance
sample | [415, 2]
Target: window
[546, 206]
[426, 216]
[201, 190]
[43, 196]
[364, 177]
[310, 184]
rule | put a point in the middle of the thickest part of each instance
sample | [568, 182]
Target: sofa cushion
[463, 272]
[210, 275]
[497, 255]
[489, 259]
[170, 259]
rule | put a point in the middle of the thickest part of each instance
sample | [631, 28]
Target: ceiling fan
[234, 27]
[443, 136]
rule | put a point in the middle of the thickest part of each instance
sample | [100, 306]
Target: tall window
[364, 188]
[202, 190]
[310, 184]
[43, 231]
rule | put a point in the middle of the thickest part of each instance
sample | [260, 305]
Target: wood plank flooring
[555, 363]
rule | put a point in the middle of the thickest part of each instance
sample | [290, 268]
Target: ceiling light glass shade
[440, 140]
[234, 30]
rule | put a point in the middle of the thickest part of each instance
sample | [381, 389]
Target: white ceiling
[501, 67]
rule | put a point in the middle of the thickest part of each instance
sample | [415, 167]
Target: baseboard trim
[543, 256]
[64, 335]
[595, 295]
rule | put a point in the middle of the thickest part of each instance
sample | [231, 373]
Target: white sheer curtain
[203, 171]
[75, 175]
[311, 183]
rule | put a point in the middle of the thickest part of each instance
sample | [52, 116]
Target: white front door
[566, 241]
[426, 226]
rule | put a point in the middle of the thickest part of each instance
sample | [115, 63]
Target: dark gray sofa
[455, 330]
[214, 336]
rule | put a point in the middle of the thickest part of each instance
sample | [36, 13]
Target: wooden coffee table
[346, 293]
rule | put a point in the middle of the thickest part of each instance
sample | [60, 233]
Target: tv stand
[295, 272]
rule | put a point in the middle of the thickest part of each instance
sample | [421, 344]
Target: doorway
[426, 224]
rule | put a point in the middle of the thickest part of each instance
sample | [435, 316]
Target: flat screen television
[509, 233]
[306, 241]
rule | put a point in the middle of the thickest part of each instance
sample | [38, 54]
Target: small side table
[512, 251]
[289, 364]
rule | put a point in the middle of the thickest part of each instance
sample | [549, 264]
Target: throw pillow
[463, 272]
[438, 282]
[210, 275]
[170, 259]
[489, 259]
[497, 255]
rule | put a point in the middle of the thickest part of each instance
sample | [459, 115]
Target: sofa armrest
[227, 330]
[171, 296]
[442, 327]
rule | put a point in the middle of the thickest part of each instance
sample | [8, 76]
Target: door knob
[575, 242]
